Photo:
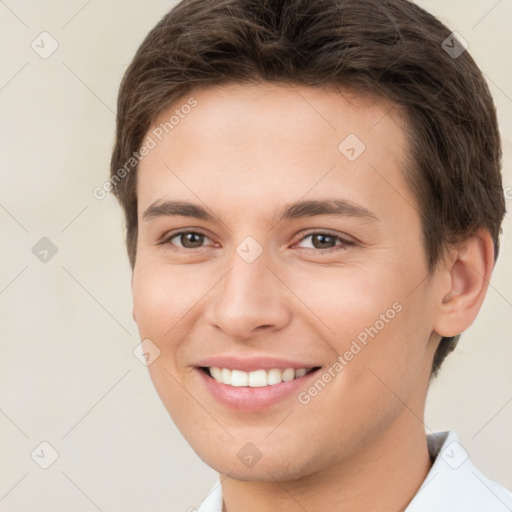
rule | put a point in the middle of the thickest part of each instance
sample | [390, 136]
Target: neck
[384, 475]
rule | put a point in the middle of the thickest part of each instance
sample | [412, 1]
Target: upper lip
[253, 363]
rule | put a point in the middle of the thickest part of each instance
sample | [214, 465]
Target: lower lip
[249, 399]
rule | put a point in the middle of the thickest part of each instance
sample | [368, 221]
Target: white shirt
[453, 484]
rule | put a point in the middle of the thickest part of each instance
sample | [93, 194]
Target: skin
[242, 153]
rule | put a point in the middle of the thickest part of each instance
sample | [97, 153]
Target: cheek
[348, 300]
[162, 297]
[159, 309]
[152, 304]
[371, 318]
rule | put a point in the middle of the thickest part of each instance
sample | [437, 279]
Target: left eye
[325, 241]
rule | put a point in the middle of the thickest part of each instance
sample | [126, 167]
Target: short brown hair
[391, 49]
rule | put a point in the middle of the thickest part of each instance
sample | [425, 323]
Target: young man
[313, 201]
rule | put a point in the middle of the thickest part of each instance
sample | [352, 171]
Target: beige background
[67, 372]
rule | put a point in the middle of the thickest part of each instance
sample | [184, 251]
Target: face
[281, 274]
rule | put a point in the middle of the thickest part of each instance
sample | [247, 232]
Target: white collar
[453, 484]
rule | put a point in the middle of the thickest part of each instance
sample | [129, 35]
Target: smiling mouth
[256, 378]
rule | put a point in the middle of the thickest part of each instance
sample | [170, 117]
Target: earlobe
[469, 272]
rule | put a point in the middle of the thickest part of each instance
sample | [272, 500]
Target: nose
[250, 300]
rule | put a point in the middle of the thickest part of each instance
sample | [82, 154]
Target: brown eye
[187, 240]
[191, 240]
[323, 241]
[326, 241]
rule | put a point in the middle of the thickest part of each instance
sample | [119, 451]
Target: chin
[269, 468]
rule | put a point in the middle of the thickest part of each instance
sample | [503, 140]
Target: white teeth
[257, 378]
[274, 376]
[216, 373]
[226, 376]
[288, 374]
[239, 378]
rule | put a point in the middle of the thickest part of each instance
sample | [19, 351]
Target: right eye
[186, 239]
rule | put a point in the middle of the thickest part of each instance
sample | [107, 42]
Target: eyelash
[343, 245]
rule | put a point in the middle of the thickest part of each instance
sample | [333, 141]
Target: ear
[467, 272]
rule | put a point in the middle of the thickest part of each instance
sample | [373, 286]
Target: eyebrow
[176, 208]
[338, 207]
[299, 209]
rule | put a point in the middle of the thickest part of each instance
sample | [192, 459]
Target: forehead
[269, 107]
[243, 142]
